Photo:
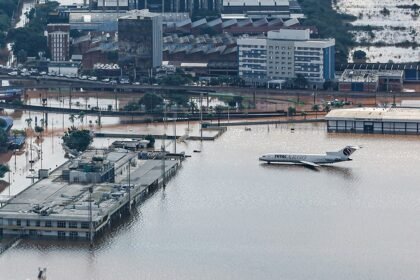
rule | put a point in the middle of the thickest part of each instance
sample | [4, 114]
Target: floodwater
[227, 216]
[402, 24]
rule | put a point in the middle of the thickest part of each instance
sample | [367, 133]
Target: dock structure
[374, 120]
[84, 196]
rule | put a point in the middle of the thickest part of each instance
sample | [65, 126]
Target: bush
[151, 141]
[76, 139]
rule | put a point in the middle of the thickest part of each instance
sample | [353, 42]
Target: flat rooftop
[70, 201]
[376, 114]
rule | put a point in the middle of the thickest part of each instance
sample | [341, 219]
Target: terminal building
[374, 120]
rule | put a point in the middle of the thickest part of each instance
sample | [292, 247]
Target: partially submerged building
[374, 120]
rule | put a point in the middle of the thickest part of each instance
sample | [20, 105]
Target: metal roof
[375, 114]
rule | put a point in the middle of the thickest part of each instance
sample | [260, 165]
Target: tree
[180, 98]
[300, 81]
[22, 56]
[3, 170]
[72, 118]
[3, 123]
[151, 101]
[76, 139]
[4, 139]
[359, 55]
[131, 106]
[81, 117]
[219, 110]
[315, 108]
[151, 140]
[291, 111]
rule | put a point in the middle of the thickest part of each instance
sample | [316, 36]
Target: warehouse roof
[375, 114]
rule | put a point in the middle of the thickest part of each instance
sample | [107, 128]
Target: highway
[47, 82]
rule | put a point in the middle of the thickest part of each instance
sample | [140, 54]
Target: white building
[291, 52]
[252, 60]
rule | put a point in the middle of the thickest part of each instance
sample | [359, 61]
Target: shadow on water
[343, 172]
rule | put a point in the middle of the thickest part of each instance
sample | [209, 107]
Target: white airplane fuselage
[299, 158]
[311, 159]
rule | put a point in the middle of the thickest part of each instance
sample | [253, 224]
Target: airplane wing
[308, 163]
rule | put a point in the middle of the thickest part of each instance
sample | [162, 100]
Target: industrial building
[140, 42]
[374, 120]
[258, 8]
[411, 70]
[371, 80]
[284, 54]
[83, 204]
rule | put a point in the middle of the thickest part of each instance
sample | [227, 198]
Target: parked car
[13, 73]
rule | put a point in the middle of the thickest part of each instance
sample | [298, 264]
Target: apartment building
[253, 60]
[288, 53]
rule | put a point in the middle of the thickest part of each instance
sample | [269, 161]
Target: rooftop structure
[374, 120]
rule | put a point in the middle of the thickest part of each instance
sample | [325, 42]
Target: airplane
[311, 160]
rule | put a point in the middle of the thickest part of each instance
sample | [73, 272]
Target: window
[38, 223]
[72, 224]
[28, 223]
[85, 225]
[61, 234]
[18, 222]
[74, 234]
[61, 224]
[47, 223]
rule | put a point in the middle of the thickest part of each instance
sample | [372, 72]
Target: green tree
[151, 101]
[72, 118]
[151, 140]
[291, 111]
[4, 139]
[359, 55]
[300, 81]
[3, 170]
[315, 108]
[131, 106]
[76, 139]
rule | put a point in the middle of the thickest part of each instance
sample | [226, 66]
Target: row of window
[60, 224]
[277, 48]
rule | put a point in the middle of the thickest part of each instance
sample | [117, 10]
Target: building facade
[140, 42]
[59, 41]
[291, 52]
[252, 60]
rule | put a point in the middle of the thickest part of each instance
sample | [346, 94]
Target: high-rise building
[59, 41]
[140, 42]
[253, 60]
[288, 53]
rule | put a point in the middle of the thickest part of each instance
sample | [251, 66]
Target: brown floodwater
[227, 216]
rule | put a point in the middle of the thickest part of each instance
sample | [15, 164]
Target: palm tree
[72, 117]
[81, 117]
[315, 108]
[28, 122]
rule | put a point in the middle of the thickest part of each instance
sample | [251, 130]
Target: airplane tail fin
[346, 152]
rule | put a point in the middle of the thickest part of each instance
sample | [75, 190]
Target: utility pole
[201, 116]
[129, 185]
[175, 117]
[90, 217]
